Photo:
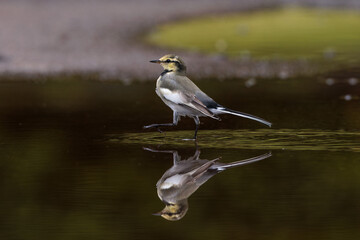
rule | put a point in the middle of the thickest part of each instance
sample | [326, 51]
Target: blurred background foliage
[285, 33]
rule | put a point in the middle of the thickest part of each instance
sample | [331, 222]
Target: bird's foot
[192, 139]
[189, 139]
[153, 126]
[149, 126]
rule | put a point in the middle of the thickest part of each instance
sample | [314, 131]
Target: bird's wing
[187, 99]
[184, 174]
[203, 168]
[198, 105]
[189, 86]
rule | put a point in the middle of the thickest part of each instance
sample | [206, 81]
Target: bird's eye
[168, 60]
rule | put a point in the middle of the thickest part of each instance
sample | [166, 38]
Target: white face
[169, 63]
[172, 63]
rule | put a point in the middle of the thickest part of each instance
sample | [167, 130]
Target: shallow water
[73, 165]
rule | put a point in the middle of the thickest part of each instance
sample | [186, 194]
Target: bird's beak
[155, 61]
[157, 214]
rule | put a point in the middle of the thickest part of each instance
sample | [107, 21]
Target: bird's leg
[197, 154]
[157, 126]
[176, 118]
[197, 123]
[176, 156]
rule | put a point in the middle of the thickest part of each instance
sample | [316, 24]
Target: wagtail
[185, 98]
[185, 176]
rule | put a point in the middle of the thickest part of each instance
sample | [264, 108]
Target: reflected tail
[243, 162]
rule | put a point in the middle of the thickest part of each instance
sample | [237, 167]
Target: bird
[178, 92]
[180, 181]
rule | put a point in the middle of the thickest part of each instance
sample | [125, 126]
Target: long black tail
[222, 110]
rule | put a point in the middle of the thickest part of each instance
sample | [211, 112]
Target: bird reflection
[185, 176]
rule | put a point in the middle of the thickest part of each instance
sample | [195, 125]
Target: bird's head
[173, 212]
[171, 63]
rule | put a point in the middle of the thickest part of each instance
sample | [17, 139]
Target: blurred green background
[302, 33]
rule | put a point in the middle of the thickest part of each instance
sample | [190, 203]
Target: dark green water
[72, 164]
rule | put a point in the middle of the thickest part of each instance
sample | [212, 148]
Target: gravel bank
[49, 36]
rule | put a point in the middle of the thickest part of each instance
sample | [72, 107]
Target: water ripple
[271, 139]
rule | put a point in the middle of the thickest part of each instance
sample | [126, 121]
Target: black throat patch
[165, 72]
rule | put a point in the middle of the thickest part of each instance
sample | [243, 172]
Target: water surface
[73, 165]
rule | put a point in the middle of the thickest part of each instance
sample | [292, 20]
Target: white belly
[175, 180]
[182, 110]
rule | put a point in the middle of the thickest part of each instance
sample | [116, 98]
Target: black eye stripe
[169, 61]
